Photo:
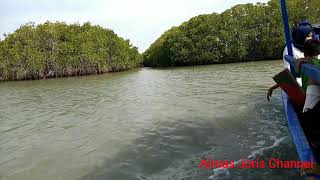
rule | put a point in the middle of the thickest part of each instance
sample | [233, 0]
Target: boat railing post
[287, 31]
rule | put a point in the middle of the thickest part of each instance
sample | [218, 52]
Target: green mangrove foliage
[244, 32]
[57, 49]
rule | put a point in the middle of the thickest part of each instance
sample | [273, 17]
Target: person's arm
[269, 94]
[299, 63]
[311, 81]
[298, 66]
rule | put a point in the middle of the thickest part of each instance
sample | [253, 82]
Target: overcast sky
[141, 21]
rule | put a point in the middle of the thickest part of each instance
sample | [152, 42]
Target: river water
[144, 124]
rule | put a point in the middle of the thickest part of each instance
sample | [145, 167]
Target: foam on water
[222, 172]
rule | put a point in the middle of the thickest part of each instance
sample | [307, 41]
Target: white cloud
[141, 21]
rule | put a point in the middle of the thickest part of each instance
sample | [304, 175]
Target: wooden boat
[305, 151]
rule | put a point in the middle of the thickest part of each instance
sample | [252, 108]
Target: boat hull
[305, 152]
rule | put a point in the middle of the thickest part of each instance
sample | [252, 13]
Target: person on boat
[311, 110]
[311, 52]
[300, 34]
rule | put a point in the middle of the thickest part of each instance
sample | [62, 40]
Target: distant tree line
[242, 33]
[57, 49]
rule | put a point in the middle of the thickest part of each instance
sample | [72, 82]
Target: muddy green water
[144, 124]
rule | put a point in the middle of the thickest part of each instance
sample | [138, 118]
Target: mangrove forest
[57, 49]
[246, 32]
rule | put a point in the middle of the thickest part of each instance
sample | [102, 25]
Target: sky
[141, 21]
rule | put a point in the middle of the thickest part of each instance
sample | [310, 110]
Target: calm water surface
[144, 124]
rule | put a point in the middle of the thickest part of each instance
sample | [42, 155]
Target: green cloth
[305, 79]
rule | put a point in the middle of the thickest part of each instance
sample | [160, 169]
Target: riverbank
[94, 71]
[216, 63]
[70, 73]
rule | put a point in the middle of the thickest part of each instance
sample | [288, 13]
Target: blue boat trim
[309, 70]
[305, 152]
[287, 32]
[286, 27]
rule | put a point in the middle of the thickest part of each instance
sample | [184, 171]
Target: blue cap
[299, 35]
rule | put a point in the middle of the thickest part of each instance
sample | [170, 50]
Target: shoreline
[70, 76]
[216, 63]
[119, 71]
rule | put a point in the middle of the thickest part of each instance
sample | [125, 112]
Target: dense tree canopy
[57, 49]
[244, 32]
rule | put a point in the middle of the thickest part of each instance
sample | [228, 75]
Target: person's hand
[269, 94]
[298, 64]
[300, 61]
[315, 170]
